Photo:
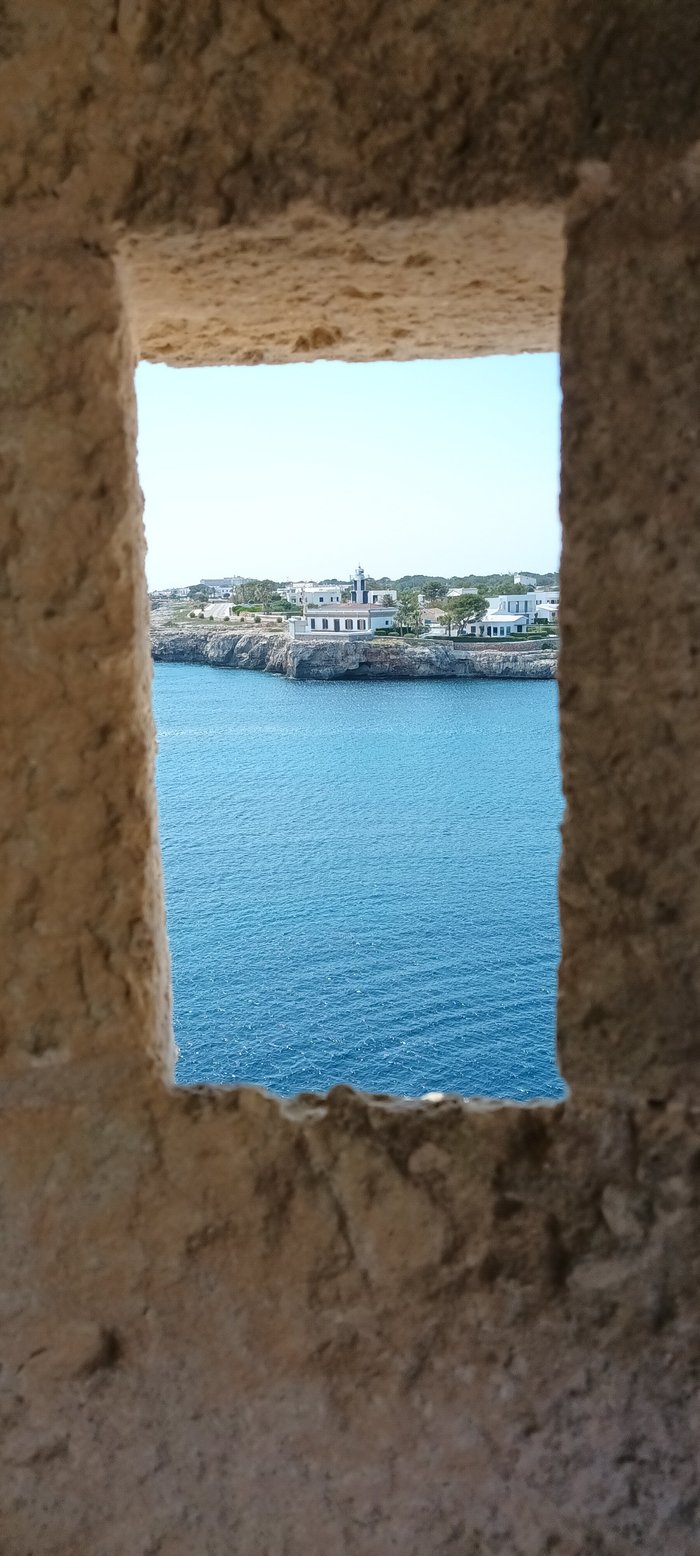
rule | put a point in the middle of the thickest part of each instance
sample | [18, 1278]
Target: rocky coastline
[359, 659]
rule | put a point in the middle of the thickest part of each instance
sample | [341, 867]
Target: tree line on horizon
[435, 587]
[264, 593]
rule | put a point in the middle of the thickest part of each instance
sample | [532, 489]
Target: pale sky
[304, 471]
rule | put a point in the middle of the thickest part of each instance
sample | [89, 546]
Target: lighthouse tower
[358, 585]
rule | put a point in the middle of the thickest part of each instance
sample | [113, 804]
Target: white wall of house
[498, 627]
[316, 623]
[323, 603]
[513, 604]
[295, 592]
[319, 621]
[311, 593]
[330, 595]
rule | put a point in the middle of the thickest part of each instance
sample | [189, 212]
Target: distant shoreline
[362, 659]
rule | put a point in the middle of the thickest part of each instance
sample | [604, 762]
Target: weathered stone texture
[630, 700]
[84, 961]
[345, 1327]
[308, 284]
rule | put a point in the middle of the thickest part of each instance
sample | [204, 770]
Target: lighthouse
[358, 585]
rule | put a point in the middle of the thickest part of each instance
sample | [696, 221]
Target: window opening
[437, 971]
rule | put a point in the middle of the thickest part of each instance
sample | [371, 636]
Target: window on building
[361, 625]
[336, 625]
[324, 623]
[348, 624]
[313, 623]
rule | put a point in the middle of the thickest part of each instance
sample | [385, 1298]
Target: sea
[361, 881]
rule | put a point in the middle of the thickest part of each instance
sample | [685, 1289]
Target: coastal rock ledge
[358, 659]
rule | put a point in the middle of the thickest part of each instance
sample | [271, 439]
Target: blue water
[361, 881]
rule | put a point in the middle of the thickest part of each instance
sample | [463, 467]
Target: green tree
[258, 591]
[408, 616]
[266, 592]
[465, 608]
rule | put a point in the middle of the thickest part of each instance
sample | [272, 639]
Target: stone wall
[346, 1325]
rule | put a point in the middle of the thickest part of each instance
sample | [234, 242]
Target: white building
[222, 588]
[324, 594]
[362, 594]
[294, 592]
[311, 593]
[547, 604]
[507, 615]
[364, 613]
[528, 580]
[510, 614]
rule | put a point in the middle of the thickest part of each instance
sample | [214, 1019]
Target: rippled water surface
[361, 881]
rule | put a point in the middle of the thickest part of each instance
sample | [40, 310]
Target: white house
[364, 613]
[510, 614]
[324, 594]
[507, 615]
[312, 593]
[547, 604]
[294, 592]
[528, 580]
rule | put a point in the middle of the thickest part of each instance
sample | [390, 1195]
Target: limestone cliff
[356, 659]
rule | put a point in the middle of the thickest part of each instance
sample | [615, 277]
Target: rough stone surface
[85, 967]
[376, 659]
[345, 1326]
[630, 703]
[348, 1326]
[447, 285]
